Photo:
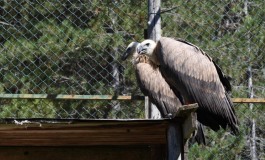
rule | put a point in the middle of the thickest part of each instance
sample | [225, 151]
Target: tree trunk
[253, 150]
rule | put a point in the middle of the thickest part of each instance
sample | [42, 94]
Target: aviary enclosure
[60, 59]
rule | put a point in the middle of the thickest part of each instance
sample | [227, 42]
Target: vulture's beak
[140, 49]
[124, 56]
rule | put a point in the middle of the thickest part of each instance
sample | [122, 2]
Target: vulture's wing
[189, 69]
[153, 85]
[223, 78]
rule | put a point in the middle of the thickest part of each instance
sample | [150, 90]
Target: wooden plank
[77, 133]
[140, 152]
[248, 100]
[185, 110]
[70, 97]
[81, 134]
[103, 97]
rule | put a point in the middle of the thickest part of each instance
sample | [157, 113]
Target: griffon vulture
[190, 71]
[153, 85]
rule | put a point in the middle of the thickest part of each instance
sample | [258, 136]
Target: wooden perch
[180, 131]
[185, 110]
[157, 138]
[83, 133]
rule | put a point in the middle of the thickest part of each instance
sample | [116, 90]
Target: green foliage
[27, 108]
[235, 40]
[67, 47]
[73, 47]
[224, 31]
[219, 147]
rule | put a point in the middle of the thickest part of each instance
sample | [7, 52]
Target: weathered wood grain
[80, 134]
[138, 152]
[97, 139]
[248, 100]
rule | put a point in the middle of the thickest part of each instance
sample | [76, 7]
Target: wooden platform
[83, 139]
[134, 139]
[38, 132]
[138, 152]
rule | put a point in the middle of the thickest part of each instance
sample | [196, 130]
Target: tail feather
[234, 121]
[199, 135]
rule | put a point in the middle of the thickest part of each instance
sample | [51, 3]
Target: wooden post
[147, 107]
[188, 127]
[175, 141]
[179, 131]
[176, 131]
[154, 20]
[154, 33]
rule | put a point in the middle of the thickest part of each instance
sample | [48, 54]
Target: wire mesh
[223, 145]
[71, 109]
[67, 47]
[73, 48]
[232, 33]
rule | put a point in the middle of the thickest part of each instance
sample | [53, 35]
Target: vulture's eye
[147, 44]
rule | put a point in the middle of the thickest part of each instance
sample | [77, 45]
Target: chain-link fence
[67, 47]
[248, 144]
[232, 32]
[70, 48]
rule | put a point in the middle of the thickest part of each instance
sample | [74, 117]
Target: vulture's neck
[154, 57]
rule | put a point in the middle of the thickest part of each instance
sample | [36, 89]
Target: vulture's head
[130, 50]
[147, 47]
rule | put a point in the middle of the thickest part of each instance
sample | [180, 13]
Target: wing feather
[193, 72]
[167, 99]
[153, 85]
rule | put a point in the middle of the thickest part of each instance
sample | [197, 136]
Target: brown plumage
[153, 85]
[192, 72]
